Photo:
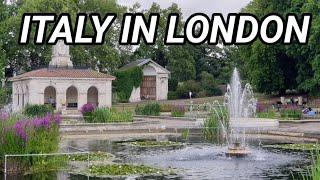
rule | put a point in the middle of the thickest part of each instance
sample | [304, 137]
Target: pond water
[200, 160]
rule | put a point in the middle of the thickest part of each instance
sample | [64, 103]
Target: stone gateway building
[61, 85]
[154, 85]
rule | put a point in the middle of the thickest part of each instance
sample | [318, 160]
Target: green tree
[181, 63]
[26, 57]
[273, 69]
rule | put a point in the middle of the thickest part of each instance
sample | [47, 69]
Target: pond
[198, 160]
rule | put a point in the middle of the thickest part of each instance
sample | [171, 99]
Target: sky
[194, 6]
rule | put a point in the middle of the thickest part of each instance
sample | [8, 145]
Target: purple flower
[87, 108]
[57, 119]
[20, 128]
[4, 116]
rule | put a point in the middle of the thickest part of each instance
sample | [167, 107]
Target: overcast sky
[194, 6]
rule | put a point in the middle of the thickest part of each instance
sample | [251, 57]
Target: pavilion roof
[63, 73]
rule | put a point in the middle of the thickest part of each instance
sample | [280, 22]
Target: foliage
[185, 134]
[29, 136]
[93, 156]
[105, 57]
[152, 109]
[291, 113]
[267, 114]
[172, 95]
[121, 170]
[181, 64]
[87, 111]
[5, 94]
[214, 123]
[146, 144]
[314, 171]
[107, 115]
[166, 107]
[38, 110]
[296, 147]
[273, 69]
[126, 81]
[178, 111]
[185, 87]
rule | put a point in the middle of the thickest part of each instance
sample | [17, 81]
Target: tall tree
[273, 69]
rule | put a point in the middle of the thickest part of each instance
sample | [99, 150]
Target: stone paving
[310, 127]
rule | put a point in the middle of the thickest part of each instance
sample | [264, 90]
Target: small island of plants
[152, 144]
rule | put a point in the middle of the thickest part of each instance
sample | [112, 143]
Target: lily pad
[295, 147]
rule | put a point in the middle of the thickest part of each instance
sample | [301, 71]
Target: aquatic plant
[122, 170]
[218, 120]
[146, 144]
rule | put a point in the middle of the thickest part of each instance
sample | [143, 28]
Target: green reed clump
[152, 109]
[212, 125]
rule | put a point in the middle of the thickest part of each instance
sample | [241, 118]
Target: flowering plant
[87, 108]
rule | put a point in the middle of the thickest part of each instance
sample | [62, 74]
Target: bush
[173, 84]
[125, 82]
[5, 94]
[172, 95]
[148, 110]
[38, 110]
[185, 87]
[87, 111]
[178, 111]
[166, 107]
[106, 115]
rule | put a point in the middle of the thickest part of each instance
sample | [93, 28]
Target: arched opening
[50, 96]
[72, 97]
[92, 96]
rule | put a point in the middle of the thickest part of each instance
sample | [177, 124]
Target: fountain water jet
[241, 104]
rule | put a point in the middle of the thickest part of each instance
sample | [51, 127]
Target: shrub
[87, 111]
[172, 84]
[106, 115]
[5, 94]
[172, 95]
[38, 110]
[184, 89]
[125, 82]
[294, 114]
[178, 111]
[148, 110]
[165, 107]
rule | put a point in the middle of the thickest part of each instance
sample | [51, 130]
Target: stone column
[82, 98]
[61, 99]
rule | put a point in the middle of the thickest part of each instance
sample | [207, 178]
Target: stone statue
[60, 56]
